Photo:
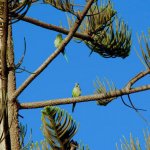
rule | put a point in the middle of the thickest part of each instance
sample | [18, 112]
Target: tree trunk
[9, 133]
[12, 106]
[4, 130]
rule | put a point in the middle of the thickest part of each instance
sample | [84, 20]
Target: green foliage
[58, 127]
[103, 88]
[98, 18]
[82, 147]
[63, 5]
[146, 40]
[22, 134]
[109, 39]
[147, 140]
[43, 145]
[134, 144]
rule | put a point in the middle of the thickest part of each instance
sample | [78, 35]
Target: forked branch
[136, 78]
[56, 52]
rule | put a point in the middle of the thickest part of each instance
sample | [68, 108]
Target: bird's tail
[65, 56]
[73, 106]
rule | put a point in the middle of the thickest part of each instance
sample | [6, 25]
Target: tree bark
[9, 133]
[4, 130]
[12, 106]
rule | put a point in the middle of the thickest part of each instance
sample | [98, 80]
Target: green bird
[75, 93]
[58, 42]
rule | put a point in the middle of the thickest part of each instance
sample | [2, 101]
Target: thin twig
[56, 52]
[87, 98]
[125, 102]
[132, 106]
[136, 109]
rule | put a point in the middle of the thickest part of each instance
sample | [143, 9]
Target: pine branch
[63, 5]
[58, 128]
[107, 39]
[104, 87]
[104, 97]
[55, 28]
[56, 52]
[146, 55]
[136, 78]
[87, 98]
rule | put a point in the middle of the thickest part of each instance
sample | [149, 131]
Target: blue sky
[100, 127]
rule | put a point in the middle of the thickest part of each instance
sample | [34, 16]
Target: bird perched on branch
[76, 92]
[58, 42]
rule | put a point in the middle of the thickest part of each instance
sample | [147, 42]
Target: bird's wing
[58, 40]
[76, 92]
[73, 92]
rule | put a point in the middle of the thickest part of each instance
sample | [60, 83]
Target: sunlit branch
[55, 53]
[54, 28]
[136, 78]
[87, 98]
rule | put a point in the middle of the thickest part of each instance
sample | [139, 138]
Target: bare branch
[136, 78]
[56, 52]
[103, 97]
[54, 28]
[87, 98]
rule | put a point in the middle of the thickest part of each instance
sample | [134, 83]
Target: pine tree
[94, 24]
